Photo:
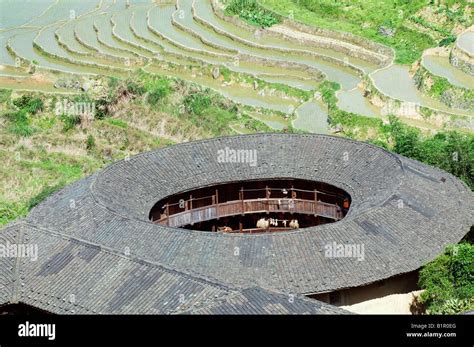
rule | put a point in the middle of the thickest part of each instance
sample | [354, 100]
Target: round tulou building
[251, 224]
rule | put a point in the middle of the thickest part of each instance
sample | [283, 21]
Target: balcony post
[217, 204]
[267, 193]
[167, 214]
[315, 202]
[191, 208]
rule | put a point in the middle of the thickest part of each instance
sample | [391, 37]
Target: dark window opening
[21, 309]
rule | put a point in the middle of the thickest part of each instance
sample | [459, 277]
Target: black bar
[231, 330]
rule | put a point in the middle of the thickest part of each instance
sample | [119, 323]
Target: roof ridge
[16, 268]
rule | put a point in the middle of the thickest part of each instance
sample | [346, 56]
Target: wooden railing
[247, 206]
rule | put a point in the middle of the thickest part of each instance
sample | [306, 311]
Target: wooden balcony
[191, 215]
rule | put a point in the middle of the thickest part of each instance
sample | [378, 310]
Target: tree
[448, 281]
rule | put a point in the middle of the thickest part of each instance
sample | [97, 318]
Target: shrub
[29, 103]
[21, 129]
[70, 121]
[101, 108]
[226, 73]
[447, 41]
[113, 82]
[439, 86]
[135, 88]
[20, 123]
[20, 116]
[117, 122]
[5, 95]
[406, 139]
[45, 192]
[328, 92]
[448, 281]
[90, 143]
[251, 12]
[11, 211]
[450, 151]
[196, 103]
[158, 89]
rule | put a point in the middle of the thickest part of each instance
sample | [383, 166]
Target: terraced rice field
[466, 41]
[440, 66]
[113, 37]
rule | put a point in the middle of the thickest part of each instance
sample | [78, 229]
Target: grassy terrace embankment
[45, 145]
[409, 27]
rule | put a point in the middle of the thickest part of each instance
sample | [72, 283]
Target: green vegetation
[157, 88]
[251, 12]
[440, 88]
[210, 110]
[197, 103]
[20, 123]
[5, 95]
[370, 18]
[29, 104]
[90, 142]
[238, 77]
[9, 212]
[135, 87]
[148, 112]
[117, 122]
[448, 150]
[43, 194]
[447, 41]
[226, 73]
[354, 125]
[70, 121]
[328, 92]
[426, 24]
[440, 85]
[448, 281]
[20, 117]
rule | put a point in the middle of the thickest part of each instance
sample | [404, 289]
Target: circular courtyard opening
[268, 205]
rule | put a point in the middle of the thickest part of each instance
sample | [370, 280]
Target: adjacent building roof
[96, 243]
[72, 276]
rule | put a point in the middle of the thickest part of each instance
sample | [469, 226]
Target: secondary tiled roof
[95, 238]
[72, 276]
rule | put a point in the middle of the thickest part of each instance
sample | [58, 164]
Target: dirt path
[390, 304]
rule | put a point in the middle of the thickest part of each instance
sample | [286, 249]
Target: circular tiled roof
[403, 212]
[131, 187]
